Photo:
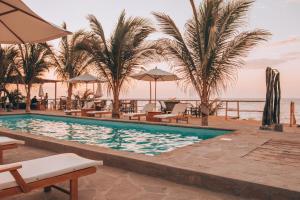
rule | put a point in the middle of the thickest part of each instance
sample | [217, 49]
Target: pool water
[134, 137]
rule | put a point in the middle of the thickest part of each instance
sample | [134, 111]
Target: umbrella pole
[150, 91]
[55, 95]
[155, 93]
[86, 86]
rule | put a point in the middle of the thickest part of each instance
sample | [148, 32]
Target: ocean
[284, 110]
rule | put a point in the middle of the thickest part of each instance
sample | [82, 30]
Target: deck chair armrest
[13, 170]
[10, 167]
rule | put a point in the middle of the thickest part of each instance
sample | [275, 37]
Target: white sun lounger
[70, 112]
[23, 177]
[177, 113]
[107, 111]
[98, 112]
[8, 143]
[147, 108]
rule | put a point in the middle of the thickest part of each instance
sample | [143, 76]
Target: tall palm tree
[121, 55]
[8, 57]
[71, 62]
[33, 61]
[212, 47]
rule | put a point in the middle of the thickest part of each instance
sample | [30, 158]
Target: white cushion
[70, 111]
[98, 112]
[165, 116]
[47, 167]
[148, 107]
[6, 141]
[179, 108]
[133, 114]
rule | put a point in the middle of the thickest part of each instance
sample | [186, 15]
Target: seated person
[34, 103]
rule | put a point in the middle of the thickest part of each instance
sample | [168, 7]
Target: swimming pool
[134, 137]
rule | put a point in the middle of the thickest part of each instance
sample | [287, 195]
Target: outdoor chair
[147, 108]
[178, 113]
[26, 176]
[100, 113]
[7, 143]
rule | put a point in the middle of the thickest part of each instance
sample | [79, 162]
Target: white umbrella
[41, 91]
[99, 92]
[155, 75]
[19, 24]
[86, 78]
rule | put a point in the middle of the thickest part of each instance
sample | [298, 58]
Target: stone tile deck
[115, 184]
[233, 157]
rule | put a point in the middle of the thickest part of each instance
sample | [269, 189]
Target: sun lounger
[70, 112]
[23, 177]
[98, 112]
[8, 143]
[177, 113]
[147, 108]
[107, 111]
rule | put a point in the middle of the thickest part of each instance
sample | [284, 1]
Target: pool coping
[149, 165]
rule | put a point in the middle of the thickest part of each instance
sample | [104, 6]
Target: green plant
[8, 57]
[70, 61]
[117, 58]
[33, 61]
[213, 46]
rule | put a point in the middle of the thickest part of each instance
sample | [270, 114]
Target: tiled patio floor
[115, 184]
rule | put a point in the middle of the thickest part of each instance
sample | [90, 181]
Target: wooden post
[17, 95]
[238, 109]
[55, 95]
[226, 110]
[74, 189]
[292, 114]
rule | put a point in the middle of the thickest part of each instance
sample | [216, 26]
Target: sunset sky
[282, 51]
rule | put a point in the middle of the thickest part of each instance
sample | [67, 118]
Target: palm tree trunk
[28, 99]
[69, 98]
[116, 105]
[204, 107]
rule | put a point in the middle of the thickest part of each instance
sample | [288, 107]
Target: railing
[237, 108]
[227, 106]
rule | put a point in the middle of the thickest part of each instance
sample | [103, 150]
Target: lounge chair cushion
[6, 141]
[165, 116]
[134, 114]
[98, 112]
[72, 111]
[47, 167]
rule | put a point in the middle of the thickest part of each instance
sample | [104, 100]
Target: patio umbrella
[19, 24]
[155, 75]
[99, 92]
[41, 91]
[86, 78]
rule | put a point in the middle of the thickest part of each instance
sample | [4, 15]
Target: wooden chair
[44, 173]
[178, 113]
[147, 108]
[7, 143]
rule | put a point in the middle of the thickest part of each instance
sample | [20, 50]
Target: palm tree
[71, 62]
[8, 57]
[33, 61]
[213, 46]
[121, 55]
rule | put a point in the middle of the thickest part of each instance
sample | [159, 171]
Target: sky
[282, 51]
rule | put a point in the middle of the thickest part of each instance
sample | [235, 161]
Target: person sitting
[34, 103]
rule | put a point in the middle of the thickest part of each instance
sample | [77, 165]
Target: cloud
[288, 41]
[262, 63]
